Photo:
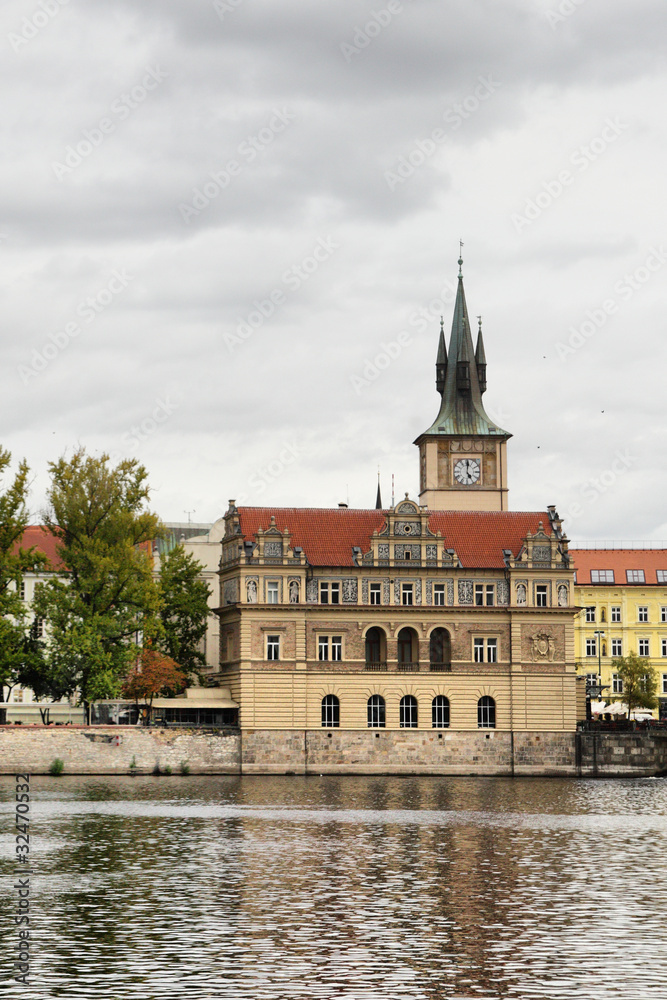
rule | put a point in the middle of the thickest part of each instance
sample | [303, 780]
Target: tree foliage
[184, 609]
[98, 617]
[640, 682]
[18, 649]
[153, 675]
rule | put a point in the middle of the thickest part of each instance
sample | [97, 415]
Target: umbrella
[597, 707]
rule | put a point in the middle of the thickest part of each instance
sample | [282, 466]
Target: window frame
[439, 591]
[644, 647]
[541, 595]
[376, 712]
[617, 647]
[602, 576]
[330, 709]
[616, 684]
[270, 591]
[615, 614]
[642, 613]
[375, 590]
[635, 576]
[591, 646]
[590, 614]
[486, 712]
[407, 590]
[408, 712]
[273, 646]
[440, 707]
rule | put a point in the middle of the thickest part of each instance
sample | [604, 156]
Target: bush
[57, 767]
[185, 767]
[166, 769]
[133, 764]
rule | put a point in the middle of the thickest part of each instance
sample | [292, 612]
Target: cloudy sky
[217, 216]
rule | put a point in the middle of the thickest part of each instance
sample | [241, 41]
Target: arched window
[376, 712]
[408, 712]
[440, 650]
[486, 713]
[407, 646]
[375, 647]
[331, 711]
[440, 712]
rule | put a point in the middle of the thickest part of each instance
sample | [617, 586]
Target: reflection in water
[273, 888]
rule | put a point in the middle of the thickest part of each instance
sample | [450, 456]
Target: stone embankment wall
[113, 749]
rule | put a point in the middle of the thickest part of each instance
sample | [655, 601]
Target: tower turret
[480, 358]
[441, 361]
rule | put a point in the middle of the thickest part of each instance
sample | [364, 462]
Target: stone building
[444, 621]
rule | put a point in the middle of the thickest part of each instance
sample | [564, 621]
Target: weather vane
[460, 258]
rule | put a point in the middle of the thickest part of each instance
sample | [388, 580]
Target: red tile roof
[327, 536]
[44, 541]
[618, 560]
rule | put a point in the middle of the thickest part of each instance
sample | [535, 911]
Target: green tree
[183, 610]
[17, 648]
[100, 616]
[640, 682]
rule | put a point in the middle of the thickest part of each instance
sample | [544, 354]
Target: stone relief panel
[429, 592]
[230, 592]
[450, 592]
[383, 551]
[364, 591]
[367, 559]
[543, 647]
[273, 549]
[407, 528]
[405, 508]
[431, 553]
[397, 592]
[350, 592]
[311, 591]
[465, 591]
[542, 554]
[503, 591]
[418, 591]
[252, 583]
[386, 592]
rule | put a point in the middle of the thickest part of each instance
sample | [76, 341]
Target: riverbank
[134, 750]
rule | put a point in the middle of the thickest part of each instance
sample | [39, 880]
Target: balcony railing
[379, 667]
[409, 667]
[440, 668]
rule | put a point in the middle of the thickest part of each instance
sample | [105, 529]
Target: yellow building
[623, 596]
[447, 613]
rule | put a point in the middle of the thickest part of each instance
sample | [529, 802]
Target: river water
[273, 888]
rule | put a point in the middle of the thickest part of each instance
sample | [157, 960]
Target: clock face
[467, 471]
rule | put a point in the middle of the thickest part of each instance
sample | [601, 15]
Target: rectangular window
[616, 613]
[602, 576]
[491, 646]
[337, 647]
[323, 647]
[616, 684]
[662, 575]
[273, 647]
[489, 595]
[591, 647]
[664, 683]
[592, 679]
[335, 593]
[617, 647]
[590, 614]
[643, 647]
[22, 590]
[324, 593]
[376, 593]
[642, 613]
[439, 594]
[663, 644]
[541, 595]
[406, 593]
[478, 647]
[17, 695]
[663, 614]
[38, 628]
[492, 650]
[479, 595]
[272, 592]
[635, 576]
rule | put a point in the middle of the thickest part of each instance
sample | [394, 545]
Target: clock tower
[463, 454]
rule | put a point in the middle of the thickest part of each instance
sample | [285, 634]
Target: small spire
[460, 258]
[378, 501]
[480, 358]
[441, 361]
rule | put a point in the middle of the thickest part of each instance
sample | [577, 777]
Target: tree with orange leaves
[154, 674]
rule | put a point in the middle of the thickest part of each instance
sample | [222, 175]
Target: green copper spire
[463, 378]
[441, 361]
